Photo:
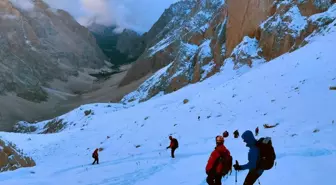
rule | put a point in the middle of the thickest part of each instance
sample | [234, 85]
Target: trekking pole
[236, 177]
[236, 171]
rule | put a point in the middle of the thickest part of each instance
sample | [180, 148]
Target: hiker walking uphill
[219, 163]
[257, 131]
[173, 146]
[225, 134]
[261, 157]
[95, 156]
[236, 134]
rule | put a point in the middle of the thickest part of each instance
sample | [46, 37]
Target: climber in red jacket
[257, 131]
[173, 145]
[219, 163]
[95, 156]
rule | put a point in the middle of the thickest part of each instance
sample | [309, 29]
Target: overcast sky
[138, 15]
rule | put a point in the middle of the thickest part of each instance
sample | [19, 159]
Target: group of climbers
[236, 133]
[261, 156]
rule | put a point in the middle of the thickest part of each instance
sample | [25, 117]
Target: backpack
[226, 163]
[175, 143]
[266, 153]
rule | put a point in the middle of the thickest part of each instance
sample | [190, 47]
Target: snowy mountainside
[181, 26]
[279, 27]
[291, 90]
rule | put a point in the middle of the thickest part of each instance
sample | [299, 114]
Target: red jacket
[95, 153]
[219, 151]
[172, 143]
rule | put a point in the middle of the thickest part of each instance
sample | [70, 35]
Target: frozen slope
[292, 90]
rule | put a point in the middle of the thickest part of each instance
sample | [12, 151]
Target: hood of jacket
[248, 138]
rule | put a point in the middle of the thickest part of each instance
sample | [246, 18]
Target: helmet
[170, 137]
[219, 139]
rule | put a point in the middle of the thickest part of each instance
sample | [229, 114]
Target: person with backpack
[236, 134]
[261, 157]
[173, 146]
[219, 163]
[95, 156]
[257, 131]
[225, 134]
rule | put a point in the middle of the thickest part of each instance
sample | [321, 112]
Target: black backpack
[227, 164]
[266, 153]
[176, 143]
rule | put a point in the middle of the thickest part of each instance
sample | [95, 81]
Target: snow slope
[292, 90]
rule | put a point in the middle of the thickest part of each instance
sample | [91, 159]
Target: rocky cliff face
[11, 158]
[121, 48]
[43, 48]
[214, 33]
[131, 43]
[162, 41]
[40, 44]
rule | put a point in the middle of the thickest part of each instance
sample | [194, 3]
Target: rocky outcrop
[11, 158]
[52, 126]
[243, 33]
[244, 18]
[288, 26]
[247, 53]
[188, 47]
[162, 41]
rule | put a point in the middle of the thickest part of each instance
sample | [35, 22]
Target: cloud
[23, 4]
[138, 15]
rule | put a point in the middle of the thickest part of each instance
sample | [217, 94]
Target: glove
[237, 167]
[167, 147]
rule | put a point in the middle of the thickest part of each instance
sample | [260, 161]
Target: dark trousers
[96, 159]
[214, 179]
[252, 177]
[173, 152]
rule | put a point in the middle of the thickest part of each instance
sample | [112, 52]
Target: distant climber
[95, 156]
[173, 146]
[225, 134]
[257, 131]
[236, 134]
[219, 163]
[199, 117]
[261, 157]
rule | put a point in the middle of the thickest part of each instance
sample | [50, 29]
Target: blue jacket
[253, 154]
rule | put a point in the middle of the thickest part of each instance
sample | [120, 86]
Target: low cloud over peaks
[138, 15]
